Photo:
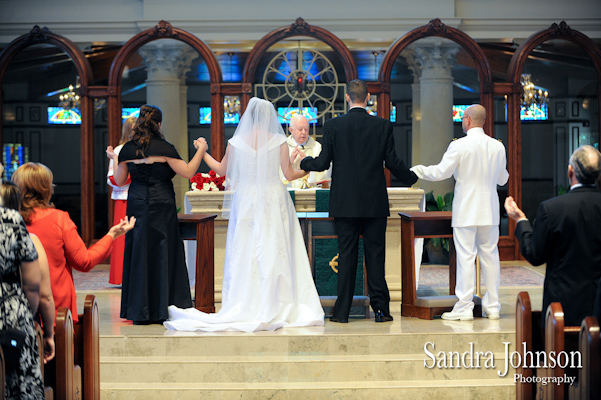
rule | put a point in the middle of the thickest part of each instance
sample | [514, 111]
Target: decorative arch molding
[437, 28]
[299, 28]
[514, 73]
[39, 35]
[555, 31]
[164, 30]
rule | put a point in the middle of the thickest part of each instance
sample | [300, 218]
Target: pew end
[558, 338]
[87, 348]
[528, 331]
[61, 373]
[588, 385]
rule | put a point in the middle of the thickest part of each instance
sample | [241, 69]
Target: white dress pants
[481, 241]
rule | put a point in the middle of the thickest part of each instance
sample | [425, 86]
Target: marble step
[492, 389]
[207, 345]
[308, 369]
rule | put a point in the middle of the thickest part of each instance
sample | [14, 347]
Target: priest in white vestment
[299, 136]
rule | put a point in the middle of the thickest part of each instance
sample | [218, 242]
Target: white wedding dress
[267, 280]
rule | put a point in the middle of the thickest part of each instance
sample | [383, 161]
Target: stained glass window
[61, 116]
[13, 156]
[285, 114]
[228, 118]
[127, 112]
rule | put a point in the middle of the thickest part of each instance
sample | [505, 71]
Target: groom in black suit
[567, 236]
[358, 145]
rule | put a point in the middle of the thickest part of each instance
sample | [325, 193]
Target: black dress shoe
[380, 317]
[339, 320]
[142, 322]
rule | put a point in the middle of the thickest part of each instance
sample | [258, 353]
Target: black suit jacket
[358, 145]
[567, 236]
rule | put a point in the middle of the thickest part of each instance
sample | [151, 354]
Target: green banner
[325, 277]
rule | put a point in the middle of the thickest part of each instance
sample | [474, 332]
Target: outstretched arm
[187, 170]
[443, 170]
[219, 167]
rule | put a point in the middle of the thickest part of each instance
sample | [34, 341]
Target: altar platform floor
[111, 324]
[358, 360]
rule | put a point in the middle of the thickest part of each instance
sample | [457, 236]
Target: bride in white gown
[267, 281]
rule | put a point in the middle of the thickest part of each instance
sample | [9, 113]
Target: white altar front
[400, 199]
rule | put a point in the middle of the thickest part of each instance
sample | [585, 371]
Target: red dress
[66, 250]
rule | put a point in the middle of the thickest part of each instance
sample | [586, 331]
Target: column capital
[167, 61]
[432, 58]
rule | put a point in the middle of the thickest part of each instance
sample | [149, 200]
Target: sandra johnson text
[471, 358]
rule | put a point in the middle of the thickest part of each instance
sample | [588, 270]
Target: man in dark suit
[358, 145]
[567, 236]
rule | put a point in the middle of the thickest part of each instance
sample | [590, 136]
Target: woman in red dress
[57, 232]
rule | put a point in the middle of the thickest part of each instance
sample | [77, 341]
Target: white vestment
[311, 148]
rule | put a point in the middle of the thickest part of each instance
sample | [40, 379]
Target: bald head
[586, 164]
[477, 114]
[473, 117]
[299, 128]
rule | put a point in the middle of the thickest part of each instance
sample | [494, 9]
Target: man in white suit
[478, 164]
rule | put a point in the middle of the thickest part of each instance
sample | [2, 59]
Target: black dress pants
[373, 231]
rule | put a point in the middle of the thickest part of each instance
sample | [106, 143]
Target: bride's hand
[296, 153]
[201, 144]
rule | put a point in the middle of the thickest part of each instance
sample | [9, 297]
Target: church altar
[306, 200]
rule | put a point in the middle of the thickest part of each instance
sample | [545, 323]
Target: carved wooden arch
[40, 36]
[436, 28]
[514, 72]
[163, 30]
[298, 28]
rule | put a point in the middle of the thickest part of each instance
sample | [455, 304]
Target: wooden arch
[40, 36]
[436, 28]
[514, 73]
[163, 30]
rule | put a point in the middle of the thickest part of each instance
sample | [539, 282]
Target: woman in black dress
[154, 267]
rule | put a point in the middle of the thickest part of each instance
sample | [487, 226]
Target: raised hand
[110, 152]
[513, 211]
[122, 227]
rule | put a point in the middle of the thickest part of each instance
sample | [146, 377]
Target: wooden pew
[527, 330]
[62, 373]
[588, 383]
[558, 338]
[48, 392]
[87, 348]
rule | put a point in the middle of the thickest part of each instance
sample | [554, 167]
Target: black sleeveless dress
[154, 266]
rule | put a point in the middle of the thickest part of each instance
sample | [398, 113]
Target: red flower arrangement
[208, 182]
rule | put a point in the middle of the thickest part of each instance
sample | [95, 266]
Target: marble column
[431, 61]
[167, 63]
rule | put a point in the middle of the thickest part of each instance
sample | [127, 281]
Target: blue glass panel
[58, 115]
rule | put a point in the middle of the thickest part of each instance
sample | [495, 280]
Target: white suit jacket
[478, 164]
[312, 148]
